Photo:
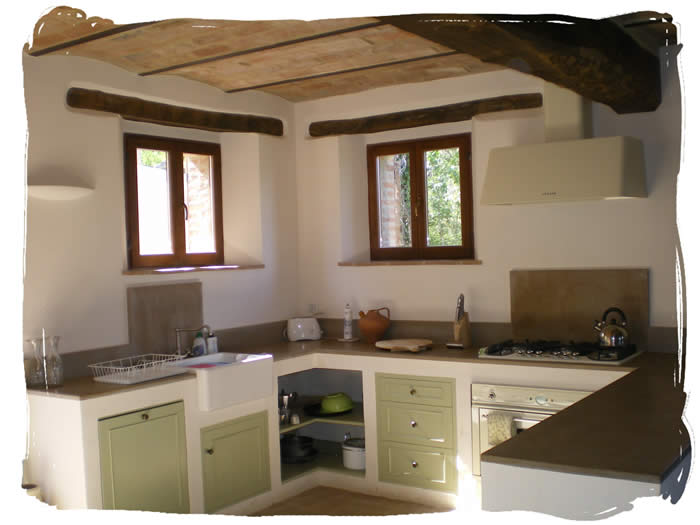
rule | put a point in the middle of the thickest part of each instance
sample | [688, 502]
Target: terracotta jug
[373, 324]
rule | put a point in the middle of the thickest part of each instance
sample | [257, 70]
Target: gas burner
[555, 351]
[502, 349]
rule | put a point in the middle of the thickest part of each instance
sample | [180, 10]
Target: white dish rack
[136, 369]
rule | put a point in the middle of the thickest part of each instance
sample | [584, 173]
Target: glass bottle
[34, 365]
[46, 349]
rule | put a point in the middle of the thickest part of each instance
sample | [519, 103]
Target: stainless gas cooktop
[558, 352]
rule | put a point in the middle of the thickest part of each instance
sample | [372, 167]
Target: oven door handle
[523, 420]
[520, 419]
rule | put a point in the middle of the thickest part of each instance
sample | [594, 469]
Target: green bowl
[333, 403]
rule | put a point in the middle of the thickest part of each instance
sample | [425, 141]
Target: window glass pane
[443, 206]
[199, 227]
[394, 191]
[153, 202]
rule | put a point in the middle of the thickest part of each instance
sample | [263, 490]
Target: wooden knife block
[462, 331]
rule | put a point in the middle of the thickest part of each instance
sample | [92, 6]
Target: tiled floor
[327, 501]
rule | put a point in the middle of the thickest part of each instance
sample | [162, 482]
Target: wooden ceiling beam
[596, 58]
[650, 29]
[89, 38]
[262, 48]
[424, 116]
[343, 71]
[132, 108]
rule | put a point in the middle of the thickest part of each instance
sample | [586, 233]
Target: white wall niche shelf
[58, 192]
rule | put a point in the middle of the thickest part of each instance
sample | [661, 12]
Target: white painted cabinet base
[571, 496]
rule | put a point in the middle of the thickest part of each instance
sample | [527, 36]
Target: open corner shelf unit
[326, 431]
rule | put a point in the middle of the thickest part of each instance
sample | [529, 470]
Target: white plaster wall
[597, 234]
[299, 205]
[76, 250]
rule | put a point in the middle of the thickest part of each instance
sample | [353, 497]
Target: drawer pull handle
[414, 464]
[210, 451]
[412, 391]
[144, 417]
[413, 424]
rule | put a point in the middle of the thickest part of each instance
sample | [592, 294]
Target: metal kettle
[612, 334]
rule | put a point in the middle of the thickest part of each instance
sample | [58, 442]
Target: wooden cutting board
[404, 345]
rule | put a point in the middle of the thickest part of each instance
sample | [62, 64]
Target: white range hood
[568, 166]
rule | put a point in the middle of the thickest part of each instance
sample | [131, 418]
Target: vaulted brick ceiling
[300, 60]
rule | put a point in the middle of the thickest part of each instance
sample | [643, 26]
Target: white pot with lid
[354, 454]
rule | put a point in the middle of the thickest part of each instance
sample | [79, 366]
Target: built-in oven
[516, 407]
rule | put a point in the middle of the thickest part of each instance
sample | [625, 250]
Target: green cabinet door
[143, 460]
[235, 461]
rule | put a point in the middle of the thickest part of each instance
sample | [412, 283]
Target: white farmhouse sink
[225, 379]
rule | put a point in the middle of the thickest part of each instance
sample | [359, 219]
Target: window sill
[421, 262]
[190, 269]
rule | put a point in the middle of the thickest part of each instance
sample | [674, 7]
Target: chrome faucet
[178, 346]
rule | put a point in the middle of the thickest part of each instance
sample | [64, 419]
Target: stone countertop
[82, 388]
[86, 387]
[630, 429]
[439, 352]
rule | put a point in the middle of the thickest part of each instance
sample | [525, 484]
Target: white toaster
[303, 328]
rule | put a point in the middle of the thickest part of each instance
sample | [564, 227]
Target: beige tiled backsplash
[155, 311]
[562, 304]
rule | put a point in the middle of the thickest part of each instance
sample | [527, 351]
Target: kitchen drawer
[422, 467]
[434, 391]
[416, 424]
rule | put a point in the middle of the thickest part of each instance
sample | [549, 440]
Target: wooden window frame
[175, 149]
[416, 149]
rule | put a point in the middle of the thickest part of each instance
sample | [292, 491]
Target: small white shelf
[355, 418]
[57, 192]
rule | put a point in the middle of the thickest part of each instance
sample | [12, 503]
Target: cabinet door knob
[144, 417]
[413, 424]
[210, 451]
[412, 391]
[414, 464]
